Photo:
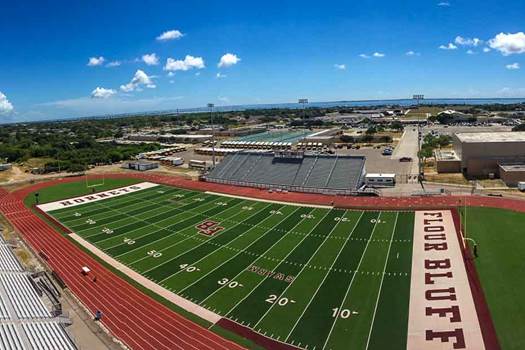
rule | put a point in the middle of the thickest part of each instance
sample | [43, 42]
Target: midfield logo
[209, 227]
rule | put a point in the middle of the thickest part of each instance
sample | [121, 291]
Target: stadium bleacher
[304, 173]
[25, 322]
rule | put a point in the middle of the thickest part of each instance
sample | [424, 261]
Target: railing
[279, 187]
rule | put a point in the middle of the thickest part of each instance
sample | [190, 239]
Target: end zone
[442, 311]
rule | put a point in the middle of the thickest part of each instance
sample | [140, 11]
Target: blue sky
[278, 51]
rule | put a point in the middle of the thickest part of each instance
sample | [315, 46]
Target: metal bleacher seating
[25, 321]
[307, 173]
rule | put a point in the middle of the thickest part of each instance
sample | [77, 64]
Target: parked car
[405, 159]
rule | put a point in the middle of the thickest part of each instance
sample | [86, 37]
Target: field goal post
[93, 185]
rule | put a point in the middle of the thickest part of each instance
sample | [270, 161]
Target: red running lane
[135, 318]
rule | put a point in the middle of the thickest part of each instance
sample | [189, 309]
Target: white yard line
[188, 236]
[236, 238]
[299, 274]
[352, 280]
[148, 224]
[324, 278]
[270, 201]
[165, 293]
[381, 284]
[103, 216]
[175, 257]
[243, 250]
[264, 279]
[259, 256]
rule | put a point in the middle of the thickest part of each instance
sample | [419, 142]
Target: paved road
[408, 147]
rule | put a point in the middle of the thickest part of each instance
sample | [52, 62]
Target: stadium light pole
[419, 98]
[304, 101]
[210, 106]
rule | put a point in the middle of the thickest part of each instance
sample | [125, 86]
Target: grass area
[457, 179]
[285, 271]
[500, 265]
[75, 189]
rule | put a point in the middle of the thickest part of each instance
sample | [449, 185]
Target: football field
[311, 277]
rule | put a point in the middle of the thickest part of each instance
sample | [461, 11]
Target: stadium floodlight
[419, 98]
[303, 101]
[210, 106]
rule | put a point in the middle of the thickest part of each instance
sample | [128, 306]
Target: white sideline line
[270, 201]
[352, 281]
[165, 293]
[381, 284]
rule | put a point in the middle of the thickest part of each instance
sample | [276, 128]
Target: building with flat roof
[482, 154]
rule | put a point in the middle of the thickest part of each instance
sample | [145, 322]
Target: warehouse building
[483, 154]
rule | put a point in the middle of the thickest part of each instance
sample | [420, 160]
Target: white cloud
[412, 53]
[100, 92]
[96, 61]
[228, 60]
[219, 75]
[188, 63]
[113, 64]
[375, 54]
[139, 79]
[450, 46]
[508, 44]
[486, 49]
[511, 92]
[170, 35]
[197, 74]
[223, 99]
[444, 4]
[150, 59]
[6, 107]
[470, 52]
[340, 66]
[467, 41]
[170, 74]
[513, 66]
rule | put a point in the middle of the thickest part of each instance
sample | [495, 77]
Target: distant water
[364, 103]
[360, 103]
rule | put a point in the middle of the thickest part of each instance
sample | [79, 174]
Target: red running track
[135, 318]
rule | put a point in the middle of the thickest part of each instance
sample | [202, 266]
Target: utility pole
[210, 106]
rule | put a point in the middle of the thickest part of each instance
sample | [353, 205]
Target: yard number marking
[340, 219]
[107, 230]
[188, 268]
[344, 313]
[276, 212]
[90, 221]
[154, 254]
[231, 284]
[129, 241]
[307, 216]
[77, 214]
[274, 299]
[247, 208]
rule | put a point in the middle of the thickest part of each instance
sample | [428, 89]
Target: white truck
[521, 186]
